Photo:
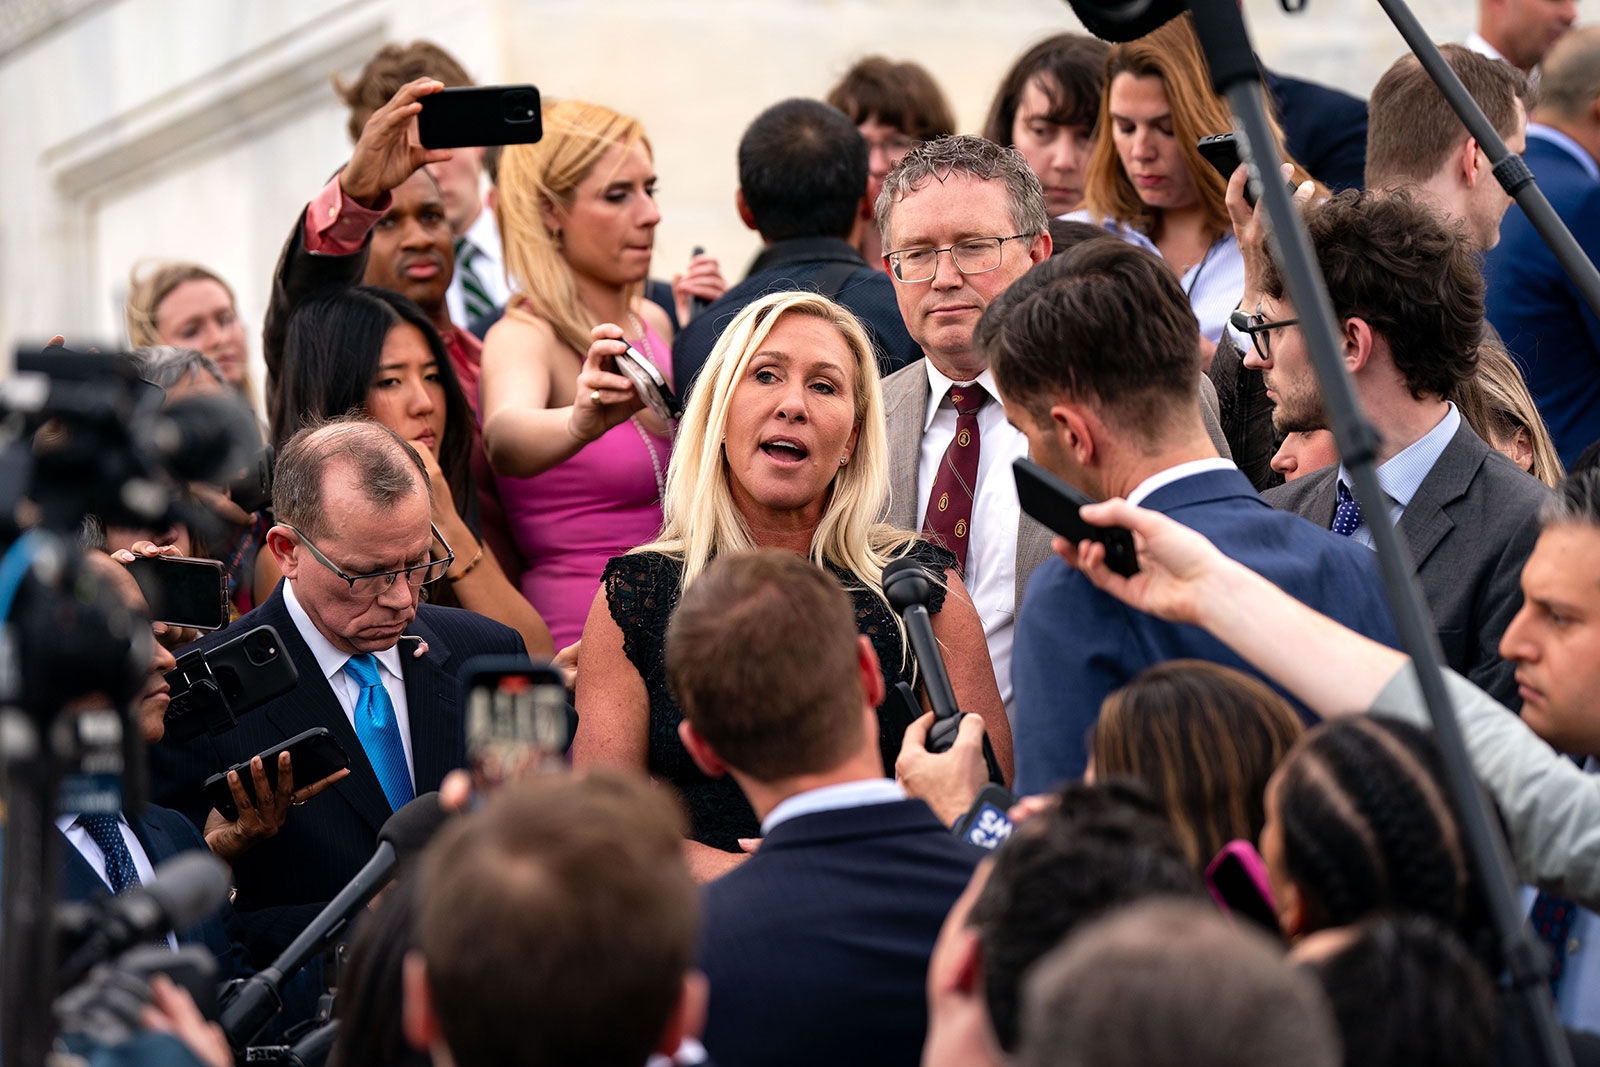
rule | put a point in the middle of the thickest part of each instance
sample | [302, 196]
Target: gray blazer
[905, 400]
[1469, 530]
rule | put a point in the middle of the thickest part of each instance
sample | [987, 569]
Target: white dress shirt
[1401, 475]
[67, 823]
[344, 687]
[489, 264]
[860, 794]
[991, 574]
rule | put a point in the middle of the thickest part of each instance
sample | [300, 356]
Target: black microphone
[206, 438]
[1125, 20]
[251, 1004]
[186, 889]
[907, 587]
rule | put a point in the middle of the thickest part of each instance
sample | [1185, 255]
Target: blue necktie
[106, 832]
[378, 731]
[1347, 518]
[1552, 920]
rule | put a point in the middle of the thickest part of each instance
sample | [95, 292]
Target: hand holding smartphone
[183, 591]
[479, 115]
[313, 756]
[1055, 504]
[1222, 152]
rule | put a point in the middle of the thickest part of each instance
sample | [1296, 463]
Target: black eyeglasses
[976, 256]
[1259, 329]
[372, 585]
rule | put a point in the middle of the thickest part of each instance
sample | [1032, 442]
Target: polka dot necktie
[1347, 518]
[949, 518]
[106, 832]
[1552, 918]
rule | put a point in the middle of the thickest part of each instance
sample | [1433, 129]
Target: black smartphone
[1055, 504]
[517, 715]
[651, 384]
[477, 115]
[313, 755]
[182, 591]
[240, 674]
[1221, 150]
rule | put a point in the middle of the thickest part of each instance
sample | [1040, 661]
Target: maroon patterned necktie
[949, 518]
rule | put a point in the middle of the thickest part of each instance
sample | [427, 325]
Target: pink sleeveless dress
[570, 520]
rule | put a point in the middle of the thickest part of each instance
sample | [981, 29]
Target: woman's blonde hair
[149, 285]
[1171, 53]
[1496, 403]
[700, 519]
[543, 175]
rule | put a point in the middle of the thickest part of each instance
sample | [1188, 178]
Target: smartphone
[212, 687]
[1238, 880]
[1055, 504]
[518, 716]
[651, 384]
[182, 591]
[313, 755]
[1221, 150]
[477, 115]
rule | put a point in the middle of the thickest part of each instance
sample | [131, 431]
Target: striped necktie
[475, 298]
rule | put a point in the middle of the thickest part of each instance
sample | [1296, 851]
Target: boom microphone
[251, 1005]
[1125, 20]
[907, 588]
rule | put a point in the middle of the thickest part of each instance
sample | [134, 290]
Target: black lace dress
[642, 593]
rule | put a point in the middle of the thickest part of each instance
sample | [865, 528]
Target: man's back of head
[555, 927]
[1104, 845]
[802, 171]
[764, 658]
[1170, 982]
[378, 465]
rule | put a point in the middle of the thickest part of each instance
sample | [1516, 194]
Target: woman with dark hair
[1204, 739]
[371, 987]
[373, 351]
[1048, 108]
[894, 105]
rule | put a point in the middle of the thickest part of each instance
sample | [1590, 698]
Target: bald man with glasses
[377, 667]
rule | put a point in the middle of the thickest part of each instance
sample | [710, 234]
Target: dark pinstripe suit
[284, 880]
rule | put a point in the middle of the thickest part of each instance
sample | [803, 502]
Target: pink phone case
[1251, 863]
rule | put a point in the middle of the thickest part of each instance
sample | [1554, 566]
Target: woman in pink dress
[580, 462]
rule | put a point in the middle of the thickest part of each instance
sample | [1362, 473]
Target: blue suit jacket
[817, 947]
[1548, 329]
[1324, 130]
[285, 880]
[1075, 644]
[163, 833]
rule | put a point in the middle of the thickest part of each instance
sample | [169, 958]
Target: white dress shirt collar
[484, 235]
[330, 659]
[858, 794]
[1476, 42]
[1164, 478]
[939, 385]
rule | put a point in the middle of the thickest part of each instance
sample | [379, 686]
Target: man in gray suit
[961, 219]
[1409, 298]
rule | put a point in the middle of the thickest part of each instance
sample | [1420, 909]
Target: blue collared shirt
[1402, 474]
[1578, 1001]
[1550, 134]
[833, 798]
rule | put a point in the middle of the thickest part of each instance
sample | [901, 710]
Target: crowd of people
[1191, 814]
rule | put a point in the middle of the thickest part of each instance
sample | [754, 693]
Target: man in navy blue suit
[1095, 357]
[376, 669]
[1553, 335]
[817, 946]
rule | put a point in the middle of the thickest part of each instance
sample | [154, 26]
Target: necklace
[644, 435]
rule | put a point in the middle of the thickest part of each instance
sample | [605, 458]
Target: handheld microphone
[251, 1004]
[986, 823]
[186, 889]
[907, 588]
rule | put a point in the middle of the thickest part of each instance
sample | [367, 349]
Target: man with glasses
[1106, 400]
[1408, 296]
[376, 667]
[961, 219]
[802, 184]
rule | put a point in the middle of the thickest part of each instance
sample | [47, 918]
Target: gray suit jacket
[1469, 530]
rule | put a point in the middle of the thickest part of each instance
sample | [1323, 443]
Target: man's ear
[1359, 342]
[1470, 165]
[867, 211]
[966, 976]
[1075, 429]
[418, 1020]
[872, 684]
[688, 1018]
[746, 216]
[704, 756]
[282, 546]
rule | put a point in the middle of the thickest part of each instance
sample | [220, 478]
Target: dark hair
[803, 170]
[769, 707]
[1407, 993]
[1367, 825]
[903, 95]
[393, 66]
[331, 351]
[1576, 499]
[1067, 234]
[387, 469]
[1071, 68]
[1107, 324]
[1204, 739]
[1411, 128]
[371, 984]
[1413, 278]
[1174, 983]
[558, 922]
[1104, 845]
